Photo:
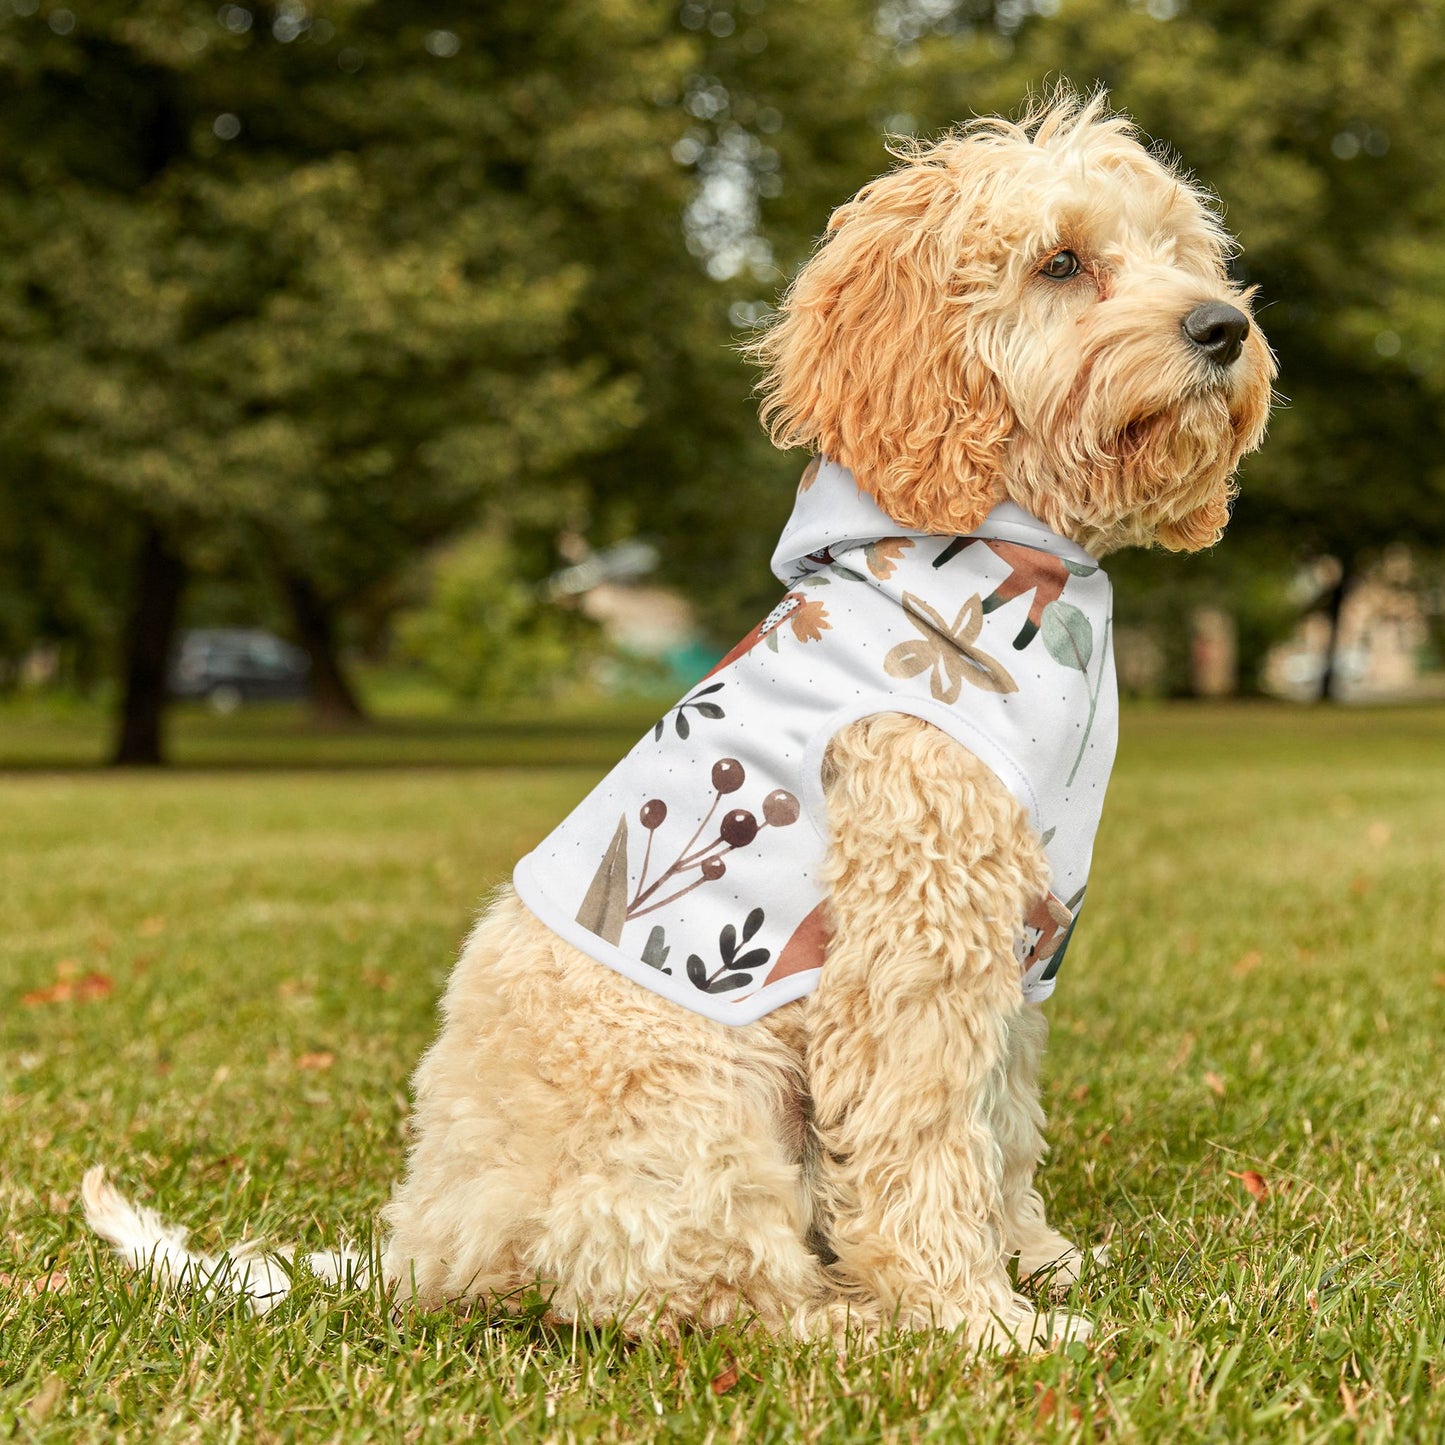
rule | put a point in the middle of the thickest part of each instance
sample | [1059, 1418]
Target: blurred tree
[288, 281]
[481, 632]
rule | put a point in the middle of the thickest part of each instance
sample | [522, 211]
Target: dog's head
[1037, 311]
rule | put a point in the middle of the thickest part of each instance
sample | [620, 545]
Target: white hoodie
[694, 866]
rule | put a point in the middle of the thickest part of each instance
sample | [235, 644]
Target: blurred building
[1382, 651]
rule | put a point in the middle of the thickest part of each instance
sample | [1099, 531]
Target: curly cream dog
[1036, 313]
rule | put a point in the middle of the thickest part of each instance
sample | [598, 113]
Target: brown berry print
[739, 828]
[653, 814]
[713, 869]
[780, 808]
[728, 775]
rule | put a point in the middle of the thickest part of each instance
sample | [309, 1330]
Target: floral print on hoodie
[693, 868]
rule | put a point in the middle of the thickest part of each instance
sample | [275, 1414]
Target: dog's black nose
[1218, 330]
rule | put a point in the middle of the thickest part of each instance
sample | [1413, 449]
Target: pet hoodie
[694, 867]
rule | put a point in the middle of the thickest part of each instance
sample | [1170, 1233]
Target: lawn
[216, 981]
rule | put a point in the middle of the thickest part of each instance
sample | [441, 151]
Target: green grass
[1257, 986]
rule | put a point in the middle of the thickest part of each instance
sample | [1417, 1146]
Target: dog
[1023, 344]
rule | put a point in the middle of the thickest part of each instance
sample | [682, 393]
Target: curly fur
[865, 1156]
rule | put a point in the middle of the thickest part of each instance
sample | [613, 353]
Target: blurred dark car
[228, 666]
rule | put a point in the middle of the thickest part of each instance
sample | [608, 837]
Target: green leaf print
[1068, 635]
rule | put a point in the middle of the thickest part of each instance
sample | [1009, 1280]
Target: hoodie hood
[832, 514]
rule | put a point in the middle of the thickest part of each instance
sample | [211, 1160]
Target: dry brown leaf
[1214, 1083]
[1255, 1184]
[1046, 1406]
[1248, 962]
[723, 1382]
[67, 990]
[56, 1282]
[321, 1059]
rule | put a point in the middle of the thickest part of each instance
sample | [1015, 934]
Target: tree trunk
[1329, 676]
[333, 699]
[160, 578]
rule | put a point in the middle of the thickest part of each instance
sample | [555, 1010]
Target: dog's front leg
[931, 866]
[1043, 1253]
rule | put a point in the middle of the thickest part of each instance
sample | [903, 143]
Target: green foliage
[319, 288]
[485, 634]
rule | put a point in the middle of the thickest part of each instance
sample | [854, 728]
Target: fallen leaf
[1440, 980]
[56, 1282]
[1360, 885]
[1080, 1094]
[1247, 963]
[1214, 1083]
[724, 1382]
[319, 1060]
[67, 990]
[1254, 1183]
[1046, 1407]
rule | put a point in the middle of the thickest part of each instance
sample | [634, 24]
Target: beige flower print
[948, 651]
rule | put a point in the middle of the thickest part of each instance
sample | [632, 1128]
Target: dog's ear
[873, 358]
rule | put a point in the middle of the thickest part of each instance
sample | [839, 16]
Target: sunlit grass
[253, 959]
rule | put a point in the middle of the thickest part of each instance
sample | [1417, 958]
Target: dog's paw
[1058, 1271]
[1023, 1326]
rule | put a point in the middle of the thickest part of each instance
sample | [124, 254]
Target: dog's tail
[147, 1243]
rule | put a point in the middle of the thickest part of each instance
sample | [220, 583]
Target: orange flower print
[807, 618]
[882, 556]
[809, 621]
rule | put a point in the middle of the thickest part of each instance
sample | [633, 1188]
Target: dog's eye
[1061, 266]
